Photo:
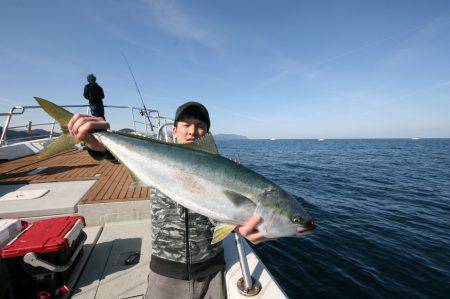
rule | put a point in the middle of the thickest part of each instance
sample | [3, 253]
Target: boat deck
[112, 180]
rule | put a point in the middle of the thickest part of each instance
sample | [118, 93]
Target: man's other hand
[249, 231]
[80, 126]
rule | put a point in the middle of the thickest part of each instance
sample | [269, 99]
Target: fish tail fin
[62, 116]
[63, 143]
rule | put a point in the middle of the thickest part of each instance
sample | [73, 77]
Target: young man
[184, 263]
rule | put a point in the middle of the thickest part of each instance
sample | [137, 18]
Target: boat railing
[147, 123]
[163, 131]
[246, 285]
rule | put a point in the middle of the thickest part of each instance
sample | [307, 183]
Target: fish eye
[295, 219]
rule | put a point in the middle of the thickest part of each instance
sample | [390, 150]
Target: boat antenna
[137, 88]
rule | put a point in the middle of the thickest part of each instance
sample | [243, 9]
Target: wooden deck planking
[144, 192]
[119, 173]
[137, 191]
[109, 184]
[113, 182]
[121, 184]
[130, 192]
[125, 186]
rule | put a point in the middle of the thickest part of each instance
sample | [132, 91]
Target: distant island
[126, 130]
[229, 137]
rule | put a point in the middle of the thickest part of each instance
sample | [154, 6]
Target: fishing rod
[137, 88]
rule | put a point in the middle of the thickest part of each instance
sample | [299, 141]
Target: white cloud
[171, 18]
[112, 27]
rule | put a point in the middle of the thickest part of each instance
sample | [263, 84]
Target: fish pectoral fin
[204, 144]
[237, 199]
[64, 142]
[221, 231]
[135, 181]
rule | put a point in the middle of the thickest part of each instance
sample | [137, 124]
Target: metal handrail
[246, 285]
[20, 110]
[166, 133]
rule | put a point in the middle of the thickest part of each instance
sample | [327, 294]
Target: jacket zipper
[188, 255]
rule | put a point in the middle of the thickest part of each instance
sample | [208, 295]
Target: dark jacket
[94, 93]
[181, 239]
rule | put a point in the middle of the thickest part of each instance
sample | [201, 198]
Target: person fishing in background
[94, 93]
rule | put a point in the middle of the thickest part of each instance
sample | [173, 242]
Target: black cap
[194, 109]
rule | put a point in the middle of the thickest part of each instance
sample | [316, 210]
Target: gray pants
[162, 287]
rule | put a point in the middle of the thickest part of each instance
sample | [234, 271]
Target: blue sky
[300, 69]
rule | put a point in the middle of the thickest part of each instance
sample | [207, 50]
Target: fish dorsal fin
[138, 136]
[221, 231]
[204, 144]
[238, 200]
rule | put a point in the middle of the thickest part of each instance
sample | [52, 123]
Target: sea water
[382, 209]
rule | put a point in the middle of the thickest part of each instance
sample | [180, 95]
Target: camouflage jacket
[181, 239]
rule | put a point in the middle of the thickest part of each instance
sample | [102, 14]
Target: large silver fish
[197, 177]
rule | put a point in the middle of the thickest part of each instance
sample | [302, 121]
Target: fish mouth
[309, 226]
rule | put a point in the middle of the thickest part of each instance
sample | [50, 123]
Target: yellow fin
[60, 114]
[64, 142]
[135, 181]
[221, 231]
[205, 144]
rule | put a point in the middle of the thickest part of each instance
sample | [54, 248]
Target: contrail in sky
[237, 114]
[360, 48]
[433, 87]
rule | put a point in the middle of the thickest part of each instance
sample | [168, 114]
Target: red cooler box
[43, 255]
[9, 229]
